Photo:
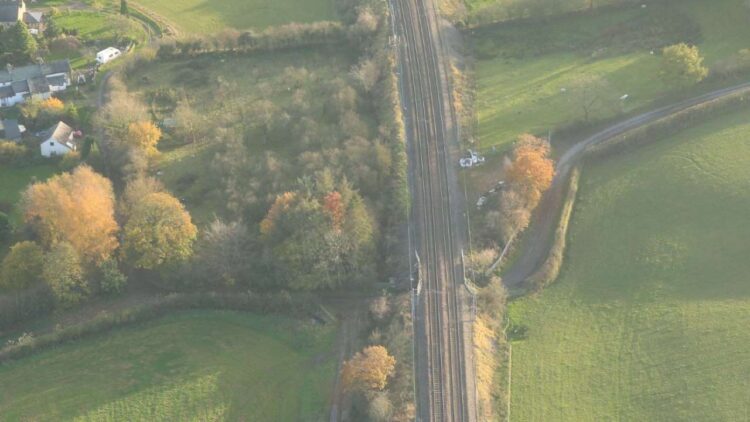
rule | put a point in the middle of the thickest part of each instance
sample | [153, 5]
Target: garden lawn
[13, 181]
[200, 16]
[199, 365]
[524, 76]
[105, 28]
[648, 320]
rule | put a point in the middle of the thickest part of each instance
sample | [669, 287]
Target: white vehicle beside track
[472, 160]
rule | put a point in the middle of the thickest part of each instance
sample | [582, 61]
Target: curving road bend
[541, 231]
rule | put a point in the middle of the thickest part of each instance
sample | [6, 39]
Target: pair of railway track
[441, 370]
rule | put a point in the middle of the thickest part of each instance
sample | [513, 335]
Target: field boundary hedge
[668, 125]
[279, 303]
[293, 35]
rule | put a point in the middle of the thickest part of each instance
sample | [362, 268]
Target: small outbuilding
[107, 55]
[11, 130]
[58, 140]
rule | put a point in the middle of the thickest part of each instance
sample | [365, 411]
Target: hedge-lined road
[542, 229]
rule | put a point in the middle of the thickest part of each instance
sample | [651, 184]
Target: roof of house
[9, 10]
[35, 70]
[38, 85]
[60, 133]
[11, 129]
[58, 80]
[33, 17]
[7, 92]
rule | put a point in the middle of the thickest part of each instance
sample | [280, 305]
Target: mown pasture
[198, 365]
[527, 73]
[198, 16]
[648, 318]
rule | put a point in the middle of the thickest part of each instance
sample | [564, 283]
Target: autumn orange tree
[528, 175]
[368, 370]
[52, 105]
[144, 135]
[77, 208]
[531, 171]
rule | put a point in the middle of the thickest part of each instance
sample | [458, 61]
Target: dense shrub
[12, 153]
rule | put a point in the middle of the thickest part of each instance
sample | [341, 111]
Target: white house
[58, 140]
[108, 54]
[36, 81]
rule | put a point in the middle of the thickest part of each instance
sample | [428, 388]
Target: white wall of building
[51, 148]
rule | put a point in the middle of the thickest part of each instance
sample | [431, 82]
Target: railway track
[441, 364]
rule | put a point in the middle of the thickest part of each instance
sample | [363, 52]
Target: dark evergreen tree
[52, 30]
[21, 42]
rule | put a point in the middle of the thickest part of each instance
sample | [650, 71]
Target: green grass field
[649, 318]
[98, 26]
[200, 365]
[521, 73]
[14, 180]
[200, 16]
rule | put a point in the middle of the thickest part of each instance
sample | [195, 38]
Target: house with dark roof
[36, 81]
[11, 130]
[12, 11]
[60, 139]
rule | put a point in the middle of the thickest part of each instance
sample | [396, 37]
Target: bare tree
[366, 73]
[592, 94]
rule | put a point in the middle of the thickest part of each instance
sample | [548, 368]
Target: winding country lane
[541, 231]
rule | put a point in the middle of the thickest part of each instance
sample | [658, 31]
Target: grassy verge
[647, 320]
[206, 364]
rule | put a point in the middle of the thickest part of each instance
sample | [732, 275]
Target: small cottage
[58, 140]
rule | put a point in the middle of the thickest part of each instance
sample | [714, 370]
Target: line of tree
[293, 35]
